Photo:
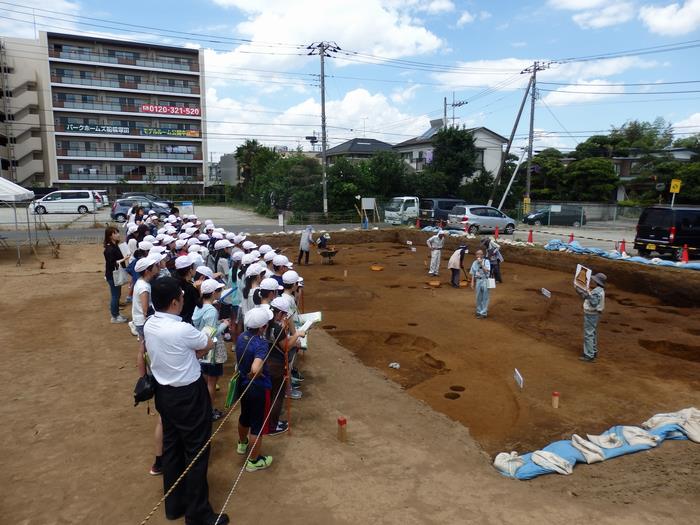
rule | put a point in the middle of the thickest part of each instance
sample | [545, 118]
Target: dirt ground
[74, 450]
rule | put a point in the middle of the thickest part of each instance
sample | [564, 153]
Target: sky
[397, 60]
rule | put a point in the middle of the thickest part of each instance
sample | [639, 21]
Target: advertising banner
[170, 110]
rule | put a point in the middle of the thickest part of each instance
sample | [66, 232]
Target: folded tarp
[556, 245]
[561, 456]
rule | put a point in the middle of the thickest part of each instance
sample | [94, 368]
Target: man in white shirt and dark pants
[435, 243]
[183, 402]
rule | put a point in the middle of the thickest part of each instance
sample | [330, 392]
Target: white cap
[151, 212]
[203, 251]
[209, 222]
[206, 271]
[184, 261]
[193, 248]
[237, 256]
[160, 230]
[145, 262]
[203, 237]
[265, 248]
[193, 240]
[170, 230]
[270, 256]
[167, 239]
[196, 259]
[131, 228]
[270, 284]
[290, 277]
[256, 254]
[231, 236]
[192, 230]
[159, 237]
[209, 226]
[217, 235]
[238, 239]
[145, 246]
[192, 217]
[247, 259]
[222, 244]
[149, 238]
[171, 219]
[156, 249]
[281, 260]
[249, 245]
[180, 243]
[210, 286]
[280, 303]
[183, 236]
[257, 317]
[254, 269]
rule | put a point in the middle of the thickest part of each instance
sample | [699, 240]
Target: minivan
[557, 215]
[664, 230]
[435, 209]
[67, 201]
[104, 196]
[479, 218]
[120, 208]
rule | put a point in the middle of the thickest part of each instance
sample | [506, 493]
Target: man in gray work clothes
[593, 306]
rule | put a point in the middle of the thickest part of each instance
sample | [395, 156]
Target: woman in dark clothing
[113, 257]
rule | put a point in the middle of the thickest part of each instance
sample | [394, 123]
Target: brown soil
[75, 451]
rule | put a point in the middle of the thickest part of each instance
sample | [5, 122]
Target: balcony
[116, 84]
[141, 109]
[132, 178]
[150, 132]
[91, 56]
[146, 155]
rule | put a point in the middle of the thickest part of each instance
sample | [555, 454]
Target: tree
[594, 146]
[691, 142]
[427, 183]
[590, 180]
[641, 135]
[454, 156]
[388, 174]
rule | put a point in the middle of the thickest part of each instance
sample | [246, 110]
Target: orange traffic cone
[623, 248]
[571, 237]
[529, 237]
[495, 233]
[466, 229]
[684, 254]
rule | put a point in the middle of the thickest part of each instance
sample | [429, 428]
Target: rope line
[257, 438]
[201, 451]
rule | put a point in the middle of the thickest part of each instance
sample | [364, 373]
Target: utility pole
[454, 104]
[323, 49]
[537, 66]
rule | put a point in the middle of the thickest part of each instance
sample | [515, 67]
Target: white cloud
[438, 6]
[401, 96]
[596, 14]
[614, 14]
[585, 91]
[673, 19]
[483, 15]
[465, 18]
[691, 124]
[230, 120]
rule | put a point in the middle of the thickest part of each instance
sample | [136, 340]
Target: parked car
[401, 210]
[104, 196]
[436, 209]
[478, 218]
[149, 196]
[557, 215]
[121, 207]
[67, 201]
[665, 230]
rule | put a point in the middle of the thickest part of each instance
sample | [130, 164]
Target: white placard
[413, 248]
[280, 219]
[124, 248]
[546, 293]
[518, 378]
[555, 208]
[368, 203]
[409, 243]
[582, 277]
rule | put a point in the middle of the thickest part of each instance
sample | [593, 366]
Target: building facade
[418, 151]
[119, 112]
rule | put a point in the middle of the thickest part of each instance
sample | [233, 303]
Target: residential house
[356, 150]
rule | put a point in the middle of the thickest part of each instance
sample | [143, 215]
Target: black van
[560, 215]
[436, 209]
[665, 230]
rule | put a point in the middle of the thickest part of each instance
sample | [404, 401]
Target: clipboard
[582, 277]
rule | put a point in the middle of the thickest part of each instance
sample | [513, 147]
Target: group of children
[234, 290]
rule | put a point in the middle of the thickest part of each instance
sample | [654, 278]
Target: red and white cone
[529, 237]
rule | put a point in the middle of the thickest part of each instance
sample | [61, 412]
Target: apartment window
[68, 48]
[181, 171]
[88, 99]
[128, 78]
[130, 147]
[129, 169]
[61, 72]
[87, 74]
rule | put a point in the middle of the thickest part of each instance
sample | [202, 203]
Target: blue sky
[267, 89]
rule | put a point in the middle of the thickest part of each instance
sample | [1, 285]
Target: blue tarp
[555, 245]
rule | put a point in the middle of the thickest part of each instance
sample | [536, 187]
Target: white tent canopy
[11, 192]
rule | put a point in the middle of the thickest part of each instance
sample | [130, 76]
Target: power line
[620, 92]
[629, 84]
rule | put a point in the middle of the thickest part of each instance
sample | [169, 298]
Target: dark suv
[121, 207]
[435, 210]
[665, 230]
[149, 196]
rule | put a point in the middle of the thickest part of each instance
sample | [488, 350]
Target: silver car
[478, 218]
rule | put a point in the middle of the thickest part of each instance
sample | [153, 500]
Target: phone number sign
[170, 110]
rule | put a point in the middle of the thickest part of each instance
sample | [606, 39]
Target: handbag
[145, 389]
[491, 283]
[120, 276]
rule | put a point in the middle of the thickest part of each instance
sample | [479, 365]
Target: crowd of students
[194, 288]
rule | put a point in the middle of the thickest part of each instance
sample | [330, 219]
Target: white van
[401, 210]
[67, 201]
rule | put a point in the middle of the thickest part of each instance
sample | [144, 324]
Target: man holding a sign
[593, 293]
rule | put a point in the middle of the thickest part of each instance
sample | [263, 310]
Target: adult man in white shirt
[435, 243]
[183, 402]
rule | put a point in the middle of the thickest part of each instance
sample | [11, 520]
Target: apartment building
[121, 112]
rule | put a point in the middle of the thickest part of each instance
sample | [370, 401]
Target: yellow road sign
[675, 186]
